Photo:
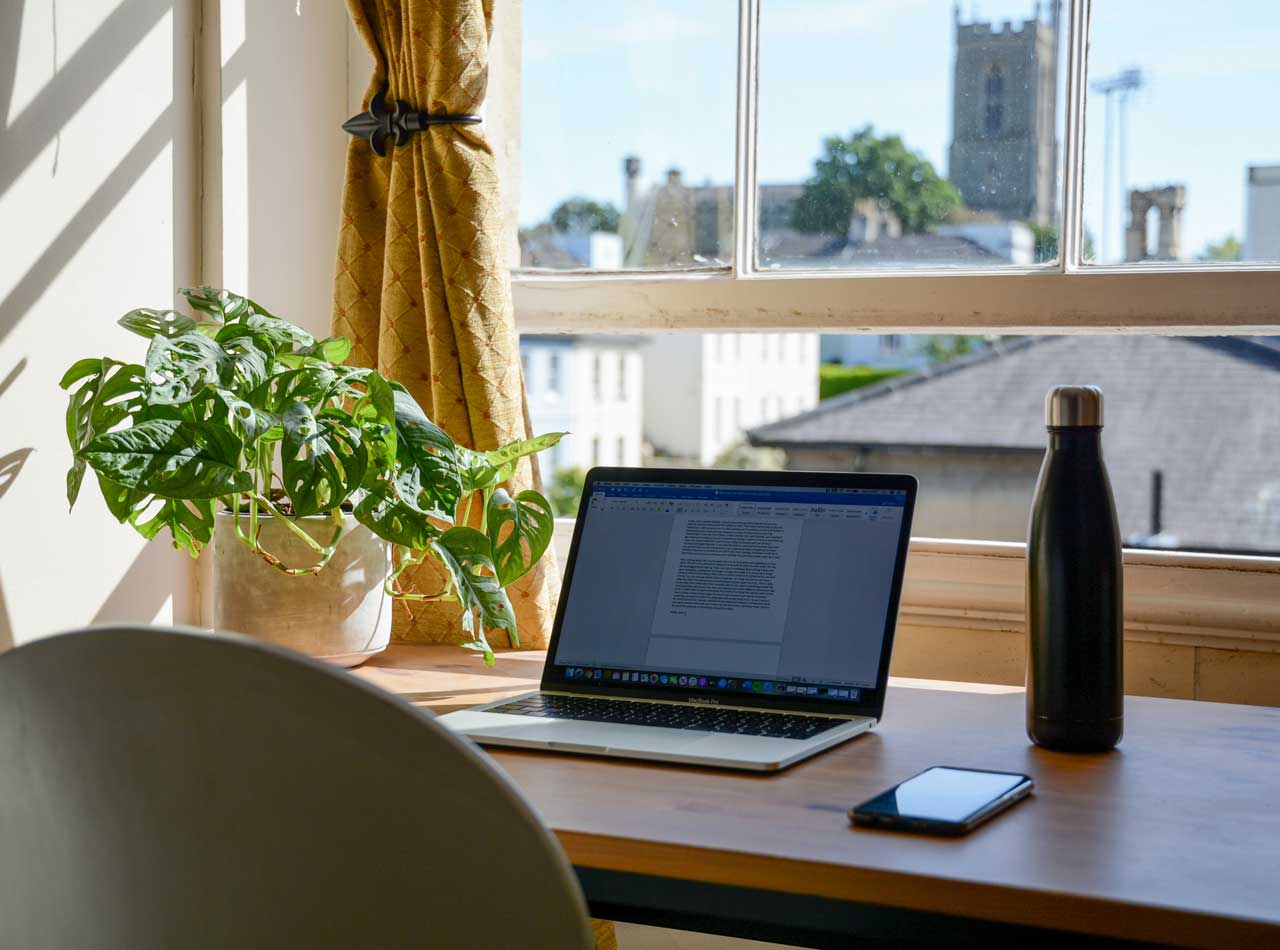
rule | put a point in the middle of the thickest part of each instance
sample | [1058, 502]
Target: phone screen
[943, 794]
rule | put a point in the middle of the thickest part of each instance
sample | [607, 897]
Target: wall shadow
[142, 590]
[10, 467]
[12, 375]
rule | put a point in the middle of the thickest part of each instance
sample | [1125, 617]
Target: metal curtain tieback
[378, 124]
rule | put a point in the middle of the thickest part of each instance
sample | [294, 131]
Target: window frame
[1225, 602]
[1066, 296]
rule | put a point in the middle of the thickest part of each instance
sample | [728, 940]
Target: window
[595, 450]
[1039, 250]
[1028, 254]
[995, 101]
[622, 376]
[622, 450]
[597, 372]
[553, 373]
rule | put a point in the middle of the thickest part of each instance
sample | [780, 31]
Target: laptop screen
[779, 591]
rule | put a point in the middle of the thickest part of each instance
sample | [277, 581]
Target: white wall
[674, 414]
[1262, 214]
[99, 212]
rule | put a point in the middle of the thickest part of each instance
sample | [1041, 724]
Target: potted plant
[322, 483]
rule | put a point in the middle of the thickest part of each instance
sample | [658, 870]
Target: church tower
[1004, 147]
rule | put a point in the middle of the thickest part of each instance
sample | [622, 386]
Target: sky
[657, 79]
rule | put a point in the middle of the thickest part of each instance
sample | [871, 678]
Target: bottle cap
[1073, 406]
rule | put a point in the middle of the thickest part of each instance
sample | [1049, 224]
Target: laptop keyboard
[671, 716]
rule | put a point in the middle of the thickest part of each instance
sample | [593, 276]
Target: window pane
[974, 435]
[627, 134]
[900, 135]
[1183, 147]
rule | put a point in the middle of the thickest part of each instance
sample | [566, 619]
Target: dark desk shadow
[10, 467]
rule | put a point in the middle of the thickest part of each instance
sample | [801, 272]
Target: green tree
[583, 214]
[1046, 236]
[867, 166]
[943, 348]
[565, 491]
[1228, 249]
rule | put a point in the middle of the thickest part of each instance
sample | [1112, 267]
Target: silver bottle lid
[1073, 406]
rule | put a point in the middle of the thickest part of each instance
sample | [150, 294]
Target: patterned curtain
[422, 286]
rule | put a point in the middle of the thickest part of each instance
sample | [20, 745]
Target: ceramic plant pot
[342, 614]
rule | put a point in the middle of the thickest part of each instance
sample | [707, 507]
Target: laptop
[721, 618]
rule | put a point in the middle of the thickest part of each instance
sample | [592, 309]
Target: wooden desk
[1173, 838]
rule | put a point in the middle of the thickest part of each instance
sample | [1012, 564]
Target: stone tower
[1004, 100]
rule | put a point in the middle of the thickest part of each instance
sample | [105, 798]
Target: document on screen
[727, 579]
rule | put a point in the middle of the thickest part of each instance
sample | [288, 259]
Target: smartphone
[943, 801]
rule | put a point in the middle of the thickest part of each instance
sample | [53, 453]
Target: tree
[1228, 249]
[1046, 236]
[865, 166]
[583, 214]
[565, 491]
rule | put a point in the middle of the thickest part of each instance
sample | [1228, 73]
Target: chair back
[163, 788]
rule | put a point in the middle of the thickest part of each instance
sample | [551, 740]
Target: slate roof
[1204, 410]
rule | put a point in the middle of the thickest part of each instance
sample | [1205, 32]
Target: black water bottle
[1075, 643]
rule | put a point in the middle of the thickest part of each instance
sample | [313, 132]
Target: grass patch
[834, 378]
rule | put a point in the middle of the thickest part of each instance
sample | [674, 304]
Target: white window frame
[1220, 601]
[1069, 296]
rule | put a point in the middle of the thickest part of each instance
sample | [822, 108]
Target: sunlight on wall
[98, 197]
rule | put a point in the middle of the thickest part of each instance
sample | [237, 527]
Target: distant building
[873, 349]
[1004, 100]
[1262, 214]
[1168, 203]
[703, 391]
[569, 250]
[591, 386]
[973, 432]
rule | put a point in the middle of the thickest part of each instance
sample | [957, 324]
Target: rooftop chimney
[631, 178]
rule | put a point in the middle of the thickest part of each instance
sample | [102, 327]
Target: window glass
[974, 435]
[1182, 155]
[627, 134]
[897, 135]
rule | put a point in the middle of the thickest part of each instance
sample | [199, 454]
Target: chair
[163, 788]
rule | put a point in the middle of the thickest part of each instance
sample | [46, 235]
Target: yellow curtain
[422, 287]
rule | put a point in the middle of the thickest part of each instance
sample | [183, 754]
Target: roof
[1203, 410]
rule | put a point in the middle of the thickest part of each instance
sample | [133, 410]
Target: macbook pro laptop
[724, 618]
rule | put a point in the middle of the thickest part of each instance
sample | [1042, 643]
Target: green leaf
[476, 471]
[466, 554]
[249, 421]
[314, 384]
[335, 349]
[111, 392]
[427, 476]
[179, 367]
[383, 513]
[148, 323]
[504, 459]
[171, 458]
[220, 305]
[520, 530]
[275, 333]
[324, 458]
[249, 358]
[376, 413]
[190, 521]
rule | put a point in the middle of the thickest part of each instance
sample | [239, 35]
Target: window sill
[1171, 598]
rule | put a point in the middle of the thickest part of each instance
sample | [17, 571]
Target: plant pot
[342, 614]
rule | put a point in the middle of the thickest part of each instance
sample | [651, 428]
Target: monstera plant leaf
[111, 392]
[148, 323]
[178, 368]
[172, 458]
[324, 458]
[427, 476]
[520, 531]
[221, 306]
[466, 553]
[504, 459]
[190, 521]
[383, 513]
